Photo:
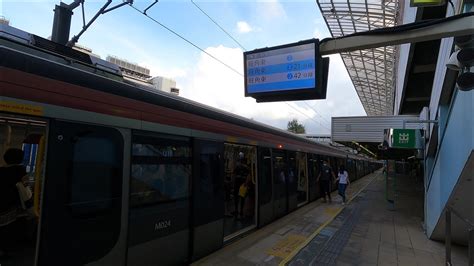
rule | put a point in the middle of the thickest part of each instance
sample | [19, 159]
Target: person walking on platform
[343, 178]
[325, 177]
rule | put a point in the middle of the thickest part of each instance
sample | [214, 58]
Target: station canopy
[371, 70]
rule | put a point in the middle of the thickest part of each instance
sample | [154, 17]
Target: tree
[295, 127]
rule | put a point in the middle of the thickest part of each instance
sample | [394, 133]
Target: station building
[412, 82]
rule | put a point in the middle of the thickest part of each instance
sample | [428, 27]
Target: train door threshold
[231, 237]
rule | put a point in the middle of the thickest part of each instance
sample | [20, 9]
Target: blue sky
[127, 34]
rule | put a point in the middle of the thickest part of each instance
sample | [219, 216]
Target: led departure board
[286, 72]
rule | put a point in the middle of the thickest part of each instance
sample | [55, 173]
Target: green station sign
[403, 138]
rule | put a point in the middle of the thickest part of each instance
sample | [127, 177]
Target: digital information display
[290, 68]
[286, 72]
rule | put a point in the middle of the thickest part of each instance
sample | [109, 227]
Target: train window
[95, 165]
[161, 170]
[29, 156]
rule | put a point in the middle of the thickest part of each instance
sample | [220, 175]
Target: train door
[292, 182]
[22, 154]
[340, 163]
[358, 169]
[82, 219]
[313, 172]
[302, 172]
[333, 163]
[280, 171]
[350, 169]
[160, 181]
[265, 186]
[207, 202]
[240, 186]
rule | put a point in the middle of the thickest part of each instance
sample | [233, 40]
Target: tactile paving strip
[329, 243]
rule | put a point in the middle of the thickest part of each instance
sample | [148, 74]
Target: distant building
[142, 75]
[131, 70]
[165, 84]
[321, 138]
[84, 49]
[3, 20]
[325, 139]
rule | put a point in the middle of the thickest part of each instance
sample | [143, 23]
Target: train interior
[240, 181]
[28, 135]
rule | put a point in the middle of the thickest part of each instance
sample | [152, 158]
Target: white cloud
[157, 70]
[244, 27]
[271, 9]
[213, 84]
[317, 34]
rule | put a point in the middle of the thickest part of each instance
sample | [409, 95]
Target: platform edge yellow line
[315, 233]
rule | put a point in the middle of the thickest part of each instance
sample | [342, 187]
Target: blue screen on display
[283, 69]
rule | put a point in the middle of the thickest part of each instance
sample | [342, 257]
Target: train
[123, 174]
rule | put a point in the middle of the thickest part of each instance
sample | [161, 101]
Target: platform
[367, 231]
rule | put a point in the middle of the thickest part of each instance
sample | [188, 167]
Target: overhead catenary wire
[210, 55]
[186, 40]
[230, 36]
[307, 116]
[217, 24]
[317, 113]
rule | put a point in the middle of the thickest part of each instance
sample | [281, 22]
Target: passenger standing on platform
[325, 177]
[343, 178]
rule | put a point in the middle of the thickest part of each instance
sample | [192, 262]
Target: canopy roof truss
[372, 70]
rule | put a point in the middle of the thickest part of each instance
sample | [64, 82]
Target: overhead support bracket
[62, 20]
[86, 26]
[146, 9]
[432, 30]
[117, 6]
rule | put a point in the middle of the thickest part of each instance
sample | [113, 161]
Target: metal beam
[457, 27]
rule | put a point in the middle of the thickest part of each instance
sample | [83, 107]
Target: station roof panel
[371, 70]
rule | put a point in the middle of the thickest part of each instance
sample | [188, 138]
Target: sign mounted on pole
[286, 72]
[404, 138]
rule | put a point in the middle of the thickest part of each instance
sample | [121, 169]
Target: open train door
[18, 233]
[81, 218]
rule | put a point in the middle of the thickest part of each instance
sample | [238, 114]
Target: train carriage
[123, 174]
